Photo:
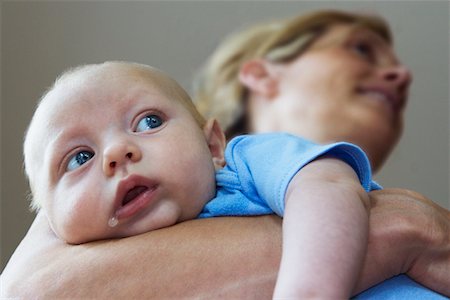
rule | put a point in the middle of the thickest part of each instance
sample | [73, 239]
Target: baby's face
[110, 146]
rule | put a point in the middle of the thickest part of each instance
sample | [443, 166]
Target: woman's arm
[226, 257]
[208, 258]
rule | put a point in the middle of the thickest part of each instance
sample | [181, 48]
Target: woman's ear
[257, 75]
[216, 142]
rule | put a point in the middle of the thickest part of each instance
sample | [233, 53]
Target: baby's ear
[216, 142]
[257, 76]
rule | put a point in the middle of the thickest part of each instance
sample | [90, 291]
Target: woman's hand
[408, 234]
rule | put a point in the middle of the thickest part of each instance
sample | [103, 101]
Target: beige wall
[40, 39]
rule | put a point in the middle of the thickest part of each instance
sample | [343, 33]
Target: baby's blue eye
[149, 122]
[79, 159]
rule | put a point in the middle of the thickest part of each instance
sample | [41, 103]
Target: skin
[415, 233]
[233, 270]
[363, 104]
[307, 226]
[243, 262]
[95, 157]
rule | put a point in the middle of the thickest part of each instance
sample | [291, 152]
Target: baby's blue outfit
[259, 168]
[256, 176]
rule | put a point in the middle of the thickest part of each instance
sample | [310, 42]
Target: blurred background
[40, 39]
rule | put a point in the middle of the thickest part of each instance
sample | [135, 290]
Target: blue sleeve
[266, 163]
[398, 288]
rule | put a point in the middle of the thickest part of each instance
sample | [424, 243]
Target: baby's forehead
[91, 80]
[100, 85]
[94, 75]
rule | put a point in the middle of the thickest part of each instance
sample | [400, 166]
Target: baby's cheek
[71, 217]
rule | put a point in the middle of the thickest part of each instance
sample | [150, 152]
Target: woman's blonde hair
[217, 90]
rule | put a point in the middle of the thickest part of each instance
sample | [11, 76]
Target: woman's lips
[388, 97]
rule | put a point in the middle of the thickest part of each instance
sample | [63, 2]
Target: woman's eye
[363, 49]
[149, 122]
[78, 160]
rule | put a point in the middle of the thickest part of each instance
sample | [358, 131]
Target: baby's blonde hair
[217, 90]
[161, 80]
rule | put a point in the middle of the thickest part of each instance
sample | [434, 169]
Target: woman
[329, 76]
[168, 264]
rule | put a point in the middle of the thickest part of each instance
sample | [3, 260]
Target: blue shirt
[259, 168]
[257, 174]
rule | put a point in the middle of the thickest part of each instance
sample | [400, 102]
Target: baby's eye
[79, 159]
[149, 122]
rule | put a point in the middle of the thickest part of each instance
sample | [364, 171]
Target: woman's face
[348, 86]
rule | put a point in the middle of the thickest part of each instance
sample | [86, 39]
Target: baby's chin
[78, 234]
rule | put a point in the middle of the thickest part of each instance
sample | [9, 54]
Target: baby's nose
[119, 155]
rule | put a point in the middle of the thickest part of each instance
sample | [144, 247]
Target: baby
[118, 149]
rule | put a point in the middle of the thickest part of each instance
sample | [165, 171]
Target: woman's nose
[398, 75]
[119, 155]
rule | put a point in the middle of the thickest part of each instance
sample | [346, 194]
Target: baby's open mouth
[133, 194]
